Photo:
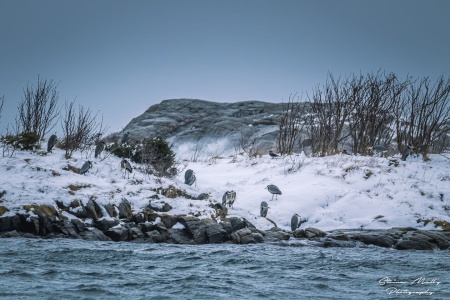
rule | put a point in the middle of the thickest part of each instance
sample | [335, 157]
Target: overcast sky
[120, 57]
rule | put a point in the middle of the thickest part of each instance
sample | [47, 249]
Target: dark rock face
[215, 233]
[104, 224]
[422, 240]
[376, 239]
[308, 233]
[118, 234]
[185, 120]
[93, 210]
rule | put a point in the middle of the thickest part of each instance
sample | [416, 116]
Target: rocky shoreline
[149, 226]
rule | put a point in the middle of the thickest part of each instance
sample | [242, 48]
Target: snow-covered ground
[333, 192]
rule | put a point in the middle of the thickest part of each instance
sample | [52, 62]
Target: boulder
[93, 234]
[32, 225]
[146, 227]
[439, 238]
[226, 225]
[155, 236]
[236, 236]
[5, 224]
[111, 210]
[125, 209]
[164, 232]
[311, 232]
[252, 238]
[168, 220]
[65, 227]
[179, 236]
[105, 224]
[136, 233]
[16, 223]
[203, 196]
[247, 236]
[79, 226]
[159, 206]
[199, 235]
[45, 225]
[9, 234]
[381, 240]
[215, 233]
[118, 234]
[417, 240]
[276, 234]
[237, 223]
[93, 210]
[191, 224]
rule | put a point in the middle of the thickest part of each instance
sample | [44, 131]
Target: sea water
[77, 269]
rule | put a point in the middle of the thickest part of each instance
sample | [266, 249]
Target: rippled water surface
[77, 269]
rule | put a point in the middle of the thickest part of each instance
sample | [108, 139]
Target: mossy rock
[42, 210]
[46, 210]
[173, 192]
[72, 168]
[75, 203]
[445, 225]
[77, 187]
[3, 210]
[437, 223]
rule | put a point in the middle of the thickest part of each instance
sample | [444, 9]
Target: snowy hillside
[335, 192]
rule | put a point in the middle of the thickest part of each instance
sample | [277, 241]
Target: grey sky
[120, 57]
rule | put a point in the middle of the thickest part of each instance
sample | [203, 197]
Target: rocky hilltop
[193, 120]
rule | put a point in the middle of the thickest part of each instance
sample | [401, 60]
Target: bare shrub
[426, 114]
[290, 125]
[80, 128]
[248, 141]
[38, 108]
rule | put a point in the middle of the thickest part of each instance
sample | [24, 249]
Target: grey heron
[125, 164]
[274, 190]
[189, 177]
[263, 209]
[228, 198]
[406, 152]
[273, 154]
[378, 149]
[86, 166]
[51, 142]
[99, 148]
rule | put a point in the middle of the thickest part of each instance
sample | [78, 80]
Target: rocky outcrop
[148, 226]
[186, 120]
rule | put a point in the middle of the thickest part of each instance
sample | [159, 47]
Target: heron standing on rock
[295, 222]
[274, 190]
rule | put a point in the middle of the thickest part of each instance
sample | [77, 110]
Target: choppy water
[77, 269]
